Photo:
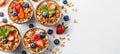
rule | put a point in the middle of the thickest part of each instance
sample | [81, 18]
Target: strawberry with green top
[4, 33]
[61, 28]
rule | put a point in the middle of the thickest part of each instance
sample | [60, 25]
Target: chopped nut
[75, 21]
[65, 10]
[62, 45]
[62, 38]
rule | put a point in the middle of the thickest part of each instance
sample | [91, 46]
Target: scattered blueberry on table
[31, 25]
[66, 18]
[56, 42]
[50, 31]
[1, 14]
[24, 52]
[4, 20]
[65, 1]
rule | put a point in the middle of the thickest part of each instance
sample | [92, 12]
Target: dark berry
[15, 13]
[42, 34]
[32, 45]
[26, 5]
[45, 15]
[5, 40]
[4, 20]
[31, 25]
[65, 2]
[50, 31]
[56, 42]
[24, 52]
[1, 14]
[66, 18]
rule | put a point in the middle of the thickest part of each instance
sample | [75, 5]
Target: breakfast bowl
[20, 11]
[48, 13]
[9, 38]
[36, 40]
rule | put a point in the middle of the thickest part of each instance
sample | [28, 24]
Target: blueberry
[66, 18]
[50, 31]
[31, 25]
[5, 40]
[56, 42]
[42, 34]
[1, 14]
[4, 20]
[45, 14]
[65, 2]
[15, 13]
[32, 45]
[26, 5]
[24, 52]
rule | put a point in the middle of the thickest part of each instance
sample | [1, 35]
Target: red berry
[36, 37]
[40, 43]
[11, 37]
[61, 28]
[51, 6]
[2, 2]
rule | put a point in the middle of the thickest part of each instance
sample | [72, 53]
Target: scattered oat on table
[70, 4]
[75, 21]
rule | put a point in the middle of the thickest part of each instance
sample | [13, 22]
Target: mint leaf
[51, 11]
[2, 29]
[44, 8]
[2, 35]
[7, 32]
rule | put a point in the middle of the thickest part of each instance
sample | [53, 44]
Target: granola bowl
[20, 11]
[48, 13]
[9, 38]
[36, 40]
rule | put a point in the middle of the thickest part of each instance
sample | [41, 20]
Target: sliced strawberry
[2, 2]
[17, 6]
[61, 28]
[40, 43]
[36, 37]
[51, 6]
[11, 37]
[21, 13]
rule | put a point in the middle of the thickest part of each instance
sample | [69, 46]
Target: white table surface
[97, 30]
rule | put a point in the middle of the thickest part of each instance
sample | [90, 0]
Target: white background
[97, 31]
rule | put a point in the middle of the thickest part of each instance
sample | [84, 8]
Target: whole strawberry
[61, 28]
